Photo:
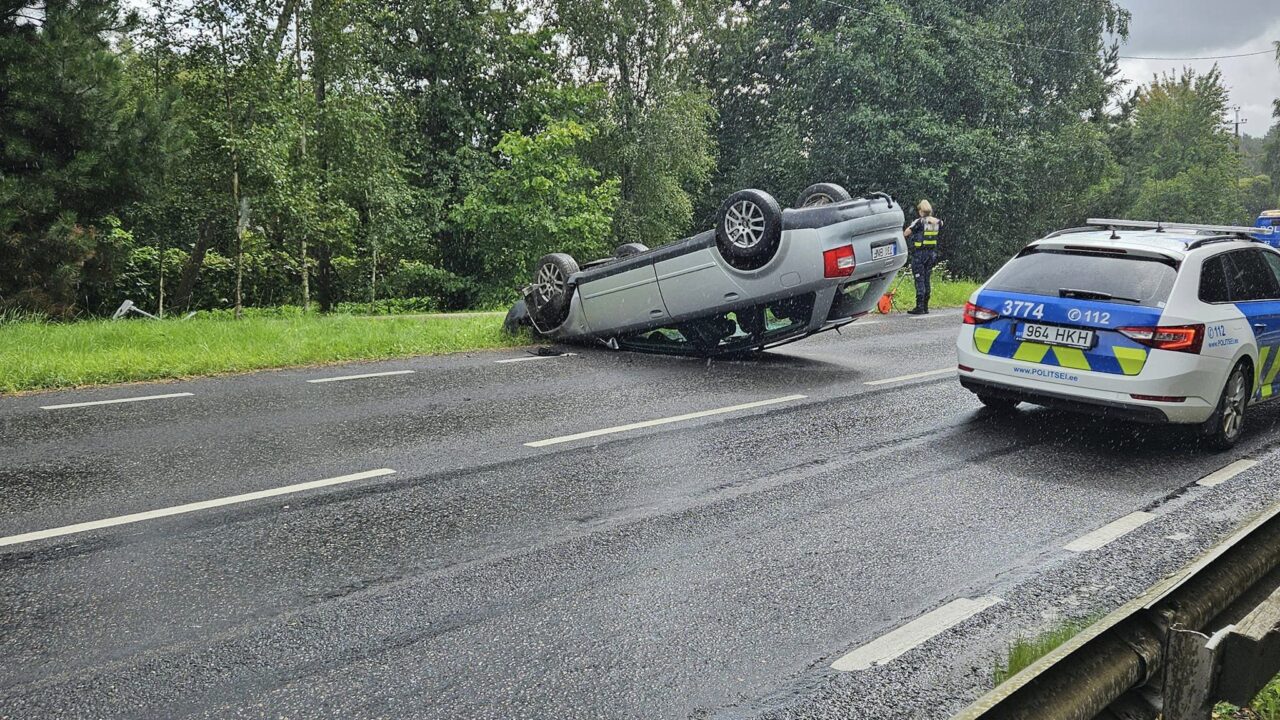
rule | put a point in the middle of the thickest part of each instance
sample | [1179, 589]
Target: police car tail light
[1179, 338]
[838, 262]
[977, 315]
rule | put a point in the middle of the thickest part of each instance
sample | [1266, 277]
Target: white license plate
[1053, 335]
[882, 252]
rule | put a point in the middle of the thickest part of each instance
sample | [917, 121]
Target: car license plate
[883, 251]
[1054, 335]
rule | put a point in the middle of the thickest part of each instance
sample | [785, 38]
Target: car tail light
[838, 262]
[977, 315]
[1178, 338]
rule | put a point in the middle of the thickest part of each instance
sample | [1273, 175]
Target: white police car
[1157, 323]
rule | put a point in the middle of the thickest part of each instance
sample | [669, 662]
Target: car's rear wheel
[998, 404]
[629, 249]
[822, 194]
[748, 228]
[1224, 427]
[549, 294]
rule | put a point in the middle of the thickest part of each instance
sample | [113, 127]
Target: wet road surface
[752, 522]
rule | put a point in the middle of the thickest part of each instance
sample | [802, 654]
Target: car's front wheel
[748, 228]
[549, 293]
[998, 404]
[1224, 427]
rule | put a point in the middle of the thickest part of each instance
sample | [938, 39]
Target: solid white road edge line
[1109, 532]
[662, 421]
[1218, 477]
[113, 402]
[912, 376]
[190, 507]
[889, 646]
[535, 357]
[365, 375]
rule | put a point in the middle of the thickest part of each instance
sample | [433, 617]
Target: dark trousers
[922, 261]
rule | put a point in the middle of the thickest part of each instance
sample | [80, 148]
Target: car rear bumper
[1074, 403]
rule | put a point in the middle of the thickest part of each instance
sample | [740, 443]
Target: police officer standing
[922, 234]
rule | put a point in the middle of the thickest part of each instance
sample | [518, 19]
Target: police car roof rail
[1068, 231]
[1161, 226]
[1215, 239]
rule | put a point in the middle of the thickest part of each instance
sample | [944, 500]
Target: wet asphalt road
[697, 568]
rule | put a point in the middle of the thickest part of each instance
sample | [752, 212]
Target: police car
[1141, 320]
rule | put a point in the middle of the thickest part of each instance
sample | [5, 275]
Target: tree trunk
[302, 151]
[191, 270]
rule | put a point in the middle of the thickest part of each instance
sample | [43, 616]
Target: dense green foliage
[228, 153]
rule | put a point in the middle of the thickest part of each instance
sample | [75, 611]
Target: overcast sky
[1178, 28]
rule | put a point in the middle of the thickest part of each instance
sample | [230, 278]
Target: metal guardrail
[1208, 633]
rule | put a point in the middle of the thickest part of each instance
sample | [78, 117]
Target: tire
[1223, 429]
[998, 404]
[629, 249]
[748, 227]
[822, 194]
[549, 295]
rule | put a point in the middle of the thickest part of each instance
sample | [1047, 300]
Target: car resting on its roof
[764, 276]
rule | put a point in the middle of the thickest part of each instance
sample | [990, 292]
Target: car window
[1249, 276]
[1062, 273]
[1273, 260]
[1213, 280]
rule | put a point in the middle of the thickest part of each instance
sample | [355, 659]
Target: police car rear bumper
[1060, 401]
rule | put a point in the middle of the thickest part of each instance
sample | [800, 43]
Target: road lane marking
[1218, 477]
[913, 376]
[889, 646]
[662, 421]
[362, 376]
[1109, 532]
[113, 402]
[190, 507]
[534, 357]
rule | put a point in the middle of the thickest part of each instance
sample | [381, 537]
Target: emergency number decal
[1089, 316]
[1018, 308]
[1217, 337]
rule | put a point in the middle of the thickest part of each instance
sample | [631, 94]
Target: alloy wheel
[744, 224]
[1233, 411]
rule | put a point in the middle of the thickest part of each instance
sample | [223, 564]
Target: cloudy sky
[1180, 28]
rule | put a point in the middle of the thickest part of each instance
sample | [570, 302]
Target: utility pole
[1237, 123]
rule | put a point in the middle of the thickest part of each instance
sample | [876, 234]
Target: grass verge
[947, 291]
[35, 355]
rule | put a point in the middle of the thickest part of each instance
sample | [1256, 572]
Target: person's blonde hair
[925, 206]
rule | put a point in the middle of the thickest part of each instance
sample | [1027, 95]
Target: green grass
[1266, 706]
[39, 355]
[947, 291]
[1025, 651]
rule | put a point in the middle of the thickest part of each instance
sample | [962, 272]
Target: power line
[1027, 46]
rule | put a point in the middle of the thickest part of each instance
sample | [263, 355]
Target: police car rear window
[1110, 277]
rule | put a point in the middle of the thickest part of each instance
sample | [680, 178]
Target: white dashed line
[113, 402]
[189, 507]
[1109, 532]
[913, 376]
[1217, 478]
[662, 421]
[360, 377]
[889, 646]
[534, 357]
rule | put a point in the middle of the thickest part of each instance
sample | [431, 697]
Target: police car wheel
[1223, 429]
[999, 404]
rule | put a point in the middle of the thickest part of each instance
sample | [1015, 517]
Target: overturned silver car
[765, 276]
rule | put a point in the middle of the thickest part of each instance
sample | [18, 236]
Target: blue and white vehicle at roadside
[1141, 320]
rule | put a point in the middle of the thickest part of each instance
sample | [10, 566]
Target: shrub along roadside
[35, 355]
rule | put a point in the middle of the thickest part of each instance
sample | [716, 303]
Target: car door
[1254, 281]
[625, 299]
